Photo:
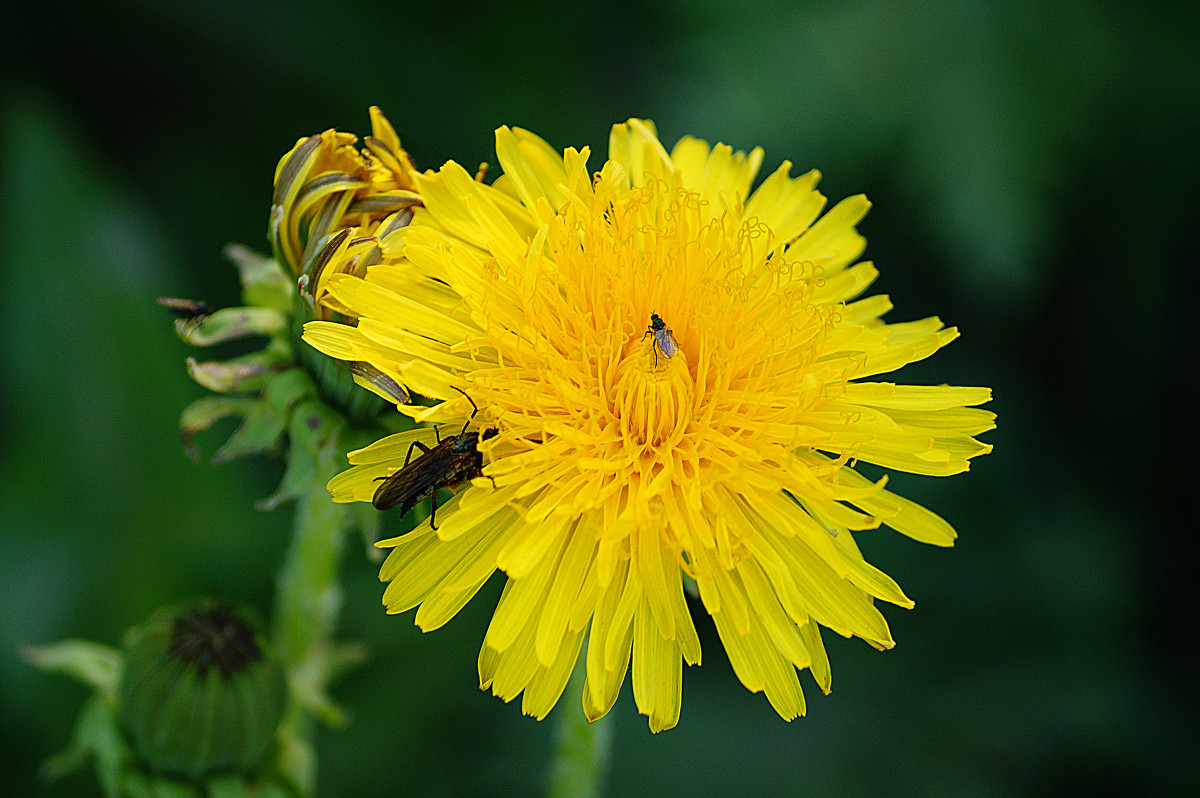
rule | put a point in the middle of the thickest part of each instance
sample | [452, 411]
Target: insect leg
[415, 444]
[433, 508]
[418, 445]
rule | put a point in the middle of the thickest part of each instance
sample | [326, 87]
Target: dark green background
[1034, 171]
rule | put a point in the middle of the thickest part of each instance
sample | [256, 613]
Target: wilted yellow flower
[715, 443]
[333, 203]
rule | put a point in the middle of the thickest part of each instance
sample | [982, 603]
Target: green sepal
[283, 392]
[256, 725]
[93, 664]
[333, 377]
[264, 284]
[307, 691]
[230, 787]
[203, 413]
[230, 324]
[338, 384]
[136, 784]
[168, 742]
[314, 426]
[267, 420]
[268, 789]
[145, 694]
[261, 431]
[344, 658]
[241, 374]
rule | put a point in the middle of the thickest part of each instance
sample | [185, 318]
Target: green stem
[309, 596]
[581, 749]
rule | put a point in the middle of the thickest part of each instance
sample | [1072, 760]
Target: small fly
[664, 339]
[188, 312]
[447, 465]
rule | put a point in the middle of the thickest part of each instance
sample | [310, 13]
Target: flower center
[590, 384]
[214, 637]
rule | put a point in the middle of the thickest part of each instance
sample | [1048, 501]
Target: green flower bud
[200, 693]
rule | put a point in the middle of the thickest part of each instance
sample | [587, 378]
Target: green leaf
[97, 732]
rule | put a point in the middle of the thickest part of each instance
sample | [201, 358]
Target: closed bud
[200, 692]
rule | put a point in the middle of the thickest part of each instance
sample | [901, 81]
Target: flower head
[192, 705]
[199, 693]
[678, 370]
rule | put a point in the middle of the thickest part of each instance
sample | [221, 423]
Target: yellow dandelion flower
[679, 372]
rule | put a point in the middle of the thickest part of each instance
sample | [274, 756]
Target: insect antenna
[473, 412]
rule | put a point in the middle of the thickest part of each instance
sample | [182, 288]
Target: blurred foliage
[1033, 168]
